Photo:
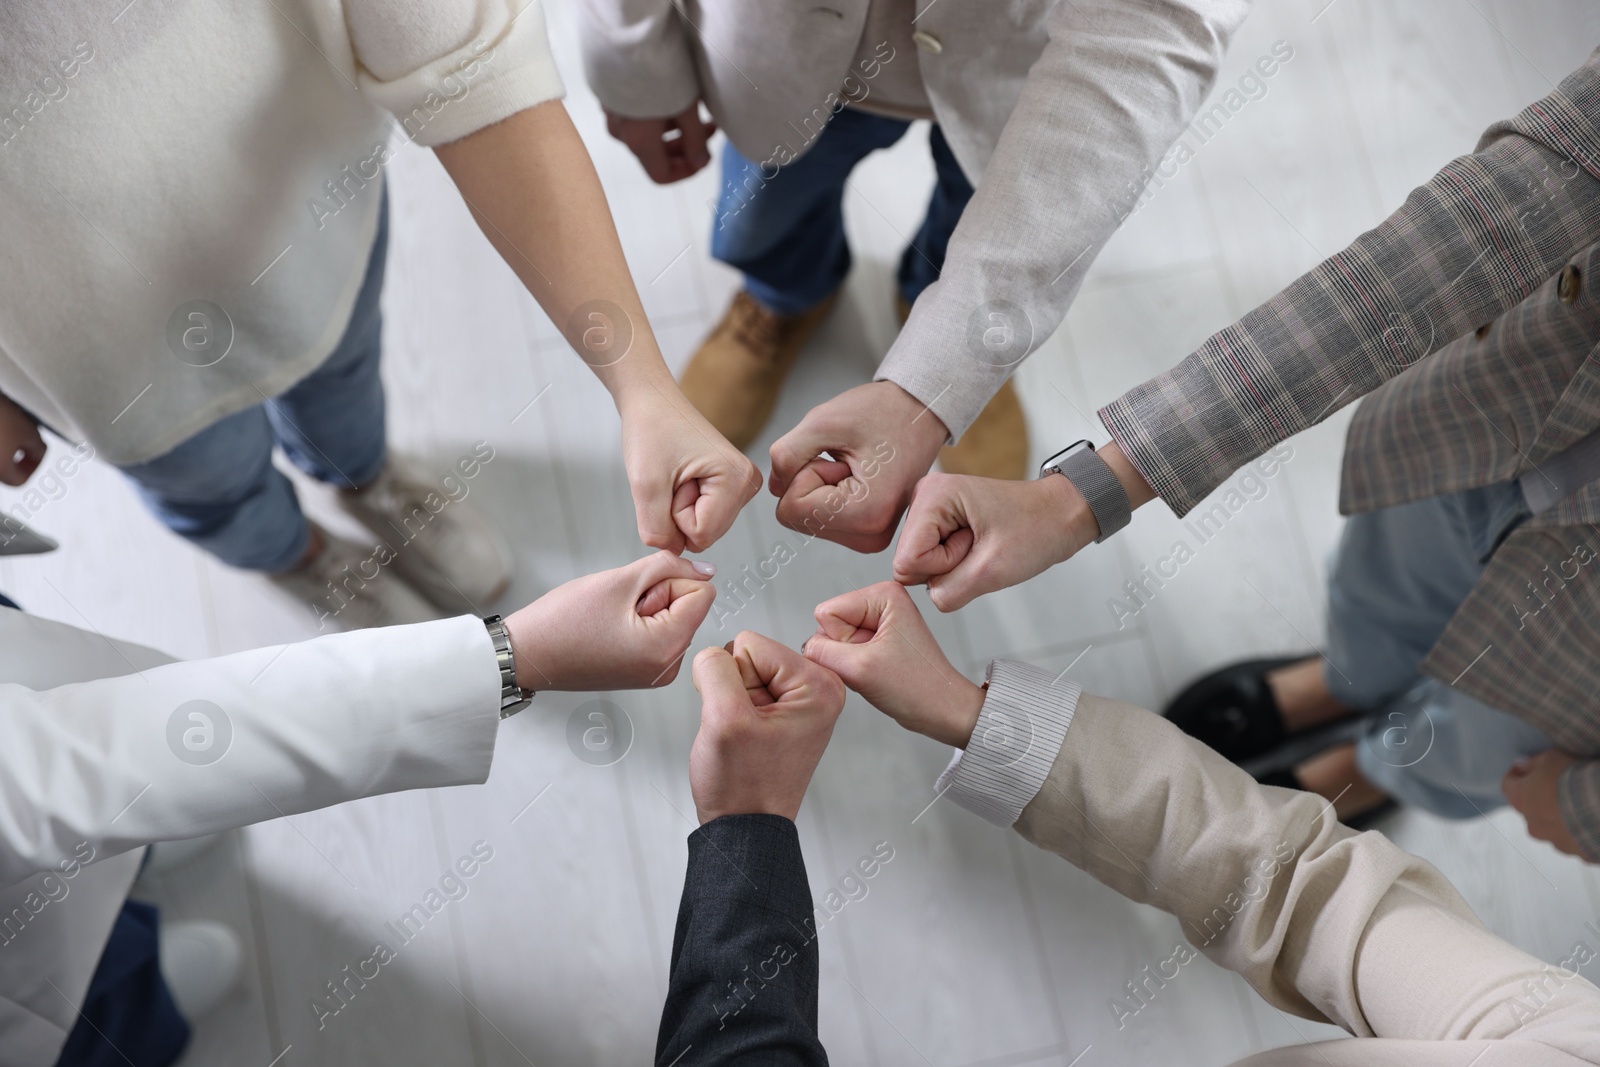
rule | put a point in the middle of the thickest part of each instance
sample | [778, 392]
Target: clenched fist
[765, 718]
[626, 628]
[875, 640]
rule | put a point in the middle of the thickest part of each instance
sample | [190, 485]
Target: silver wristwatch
[513, 698]
[1107, 500]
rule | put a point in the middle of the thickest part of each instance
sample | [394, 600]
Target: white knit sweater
[186, 156]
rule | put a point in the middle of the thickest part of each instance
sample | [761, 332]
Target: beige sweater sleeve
[1323, 922]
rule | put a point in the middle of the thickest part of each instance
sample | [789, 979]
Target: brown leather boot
[996, 444]
[733, 380]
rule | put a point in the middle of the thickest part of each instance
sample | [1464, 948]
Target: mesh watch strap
[1107, 500]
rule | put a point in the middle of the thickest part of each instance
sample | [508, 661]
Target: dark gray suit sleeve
[743, 986]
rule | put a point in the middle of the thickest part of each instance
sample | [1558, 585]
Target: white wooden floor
[971, 948]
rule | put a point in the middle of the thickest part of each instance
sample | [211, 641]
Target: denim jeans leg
[1398, 576]
[331, 424]
[783, 226]
[219, 488]
[923, 259]
[1438, 749]
[220, 491]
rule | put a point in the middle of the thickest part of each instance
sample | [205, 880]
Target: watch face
[1051, 464]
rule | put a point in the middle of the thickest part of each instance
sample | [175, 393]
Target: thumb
[652, 508]
[683, 602]
[721, 686]
[694, 135]
[789, 454]
[1514, 783]
[964, 583]
[846, 659]
[662, 566]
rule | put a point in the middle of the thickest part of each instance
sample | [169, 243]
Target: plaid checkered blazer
[1471, 318]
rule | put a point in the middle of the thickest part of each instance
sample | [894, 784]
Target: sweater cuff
[1019, 733]
[1578, 794]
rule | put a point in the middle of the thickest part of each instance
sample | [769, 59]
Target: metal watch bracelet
[513, 698]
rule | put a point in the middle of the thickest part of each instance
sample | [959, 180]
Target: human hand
[670, 148]
[21, 447]
[765, 718]
[874, 639]
[688, 482]
[626, 628]
[966, 536]
[1530, 788]
[882, 439]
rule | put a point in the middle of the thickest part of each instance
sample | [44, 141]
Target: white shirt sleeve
[179, 750]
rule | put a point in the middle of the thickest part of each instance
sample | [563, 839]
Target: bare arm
[533, 189]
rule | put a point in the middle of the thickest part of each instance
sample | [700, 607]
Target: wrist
[522, 626]
[925, 432]
[960, 717]
[638, 379]
[1069, 519]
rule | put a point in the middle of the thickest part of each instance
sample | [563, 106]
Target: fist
[967, 536]
[1531, 787]
[626, 628]
[878, 440]
[21, 447]
[671, 148]
[765, 718]
[875, 640]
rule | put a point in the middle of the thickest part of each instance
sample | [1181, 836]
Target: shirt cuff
[1019, 733]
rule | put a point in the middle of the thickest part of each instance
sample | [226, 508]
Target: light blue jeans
[219, 488]
[1398, 576]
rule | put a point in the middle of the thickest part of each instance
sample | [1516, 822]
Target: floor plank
[969, 947]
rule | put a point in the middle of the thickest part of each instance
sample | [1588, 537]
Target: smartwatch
[1107, 500]
[513, 698]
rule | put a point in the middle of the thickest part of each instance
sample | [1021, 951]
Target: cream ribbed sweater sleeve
[448, 68]
[1322, 921]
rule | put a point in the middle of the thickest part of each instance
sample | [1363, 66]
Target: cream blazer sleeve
[1324, 922]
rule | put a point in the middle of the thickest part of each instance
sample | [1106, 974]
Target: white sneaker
[165, 856]
[443, 546]
[351, 587]
[201, 962]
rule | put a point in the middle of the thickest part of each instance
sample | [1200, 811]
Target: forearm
[1116, 84]
[1322, 921]
[533, 189]
[1251, 873]
[1475, 240]
[744, 957]
[125, 761]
